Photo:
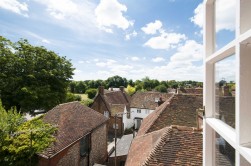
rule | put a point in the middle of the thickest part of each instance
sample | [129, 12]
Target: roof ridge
[160, 111]
[158, 145]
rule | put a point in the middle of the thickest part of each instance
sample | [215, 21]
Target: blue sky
[161, 39]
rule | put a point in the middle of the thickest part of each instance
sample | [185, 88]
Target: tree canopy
[20, 140]
[32, 77]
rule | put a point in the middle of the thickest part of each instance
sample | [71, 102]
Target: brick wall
[98, 152]
[111, 130]
[71, 155]
[99, 105]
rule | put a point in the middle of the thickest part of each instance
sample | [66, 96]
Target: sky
[162, 39]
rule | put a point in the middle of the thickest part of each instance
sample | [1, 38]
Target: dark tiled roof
[178, 110]
[175, 145]
[74, 120]
[147, 99]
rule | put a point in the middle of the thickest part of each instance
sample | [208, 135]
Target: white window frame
[240, 137]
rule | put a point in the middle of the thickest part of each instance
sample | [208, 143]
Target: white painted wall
[128, 123]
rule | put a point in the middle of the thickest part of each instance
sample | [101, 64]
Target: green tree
[161, 88]
[32, 77]
[72, 97]
[130, 90]
[20, 140]
[91, 93]
[116, 81]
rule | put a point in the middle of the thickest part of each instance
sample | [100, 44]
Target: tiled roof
[147, 99]
[191, 90]
[175, 145]
[73, 120]
[117, 108]
[178, 110]
[117, 97]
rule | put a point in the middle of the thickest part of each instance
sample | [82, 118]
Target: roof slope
[147, 99]
[175, 145]
[117, 97]
[74, 120]
[178, 110]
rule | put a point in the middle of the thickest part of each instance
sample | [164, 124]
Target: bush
[71, 97]
[161, 88]
[87, 102]
[91, 93]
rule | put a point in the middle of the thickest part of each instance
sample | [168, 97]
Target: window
[147, 111]
[85, 145]
[137, 123]
[227, 92]
[139, 111]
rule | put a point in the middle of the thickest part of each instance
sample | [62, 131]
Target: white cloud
[133, 34]
[165, 40]
[225, 15]
[96, 60]
[108, 62]
[191, 51]
[15, 6]
[77, 15]
[158, 59]
[135, 58]
[109, 13]
[152, 27]
[38, 37]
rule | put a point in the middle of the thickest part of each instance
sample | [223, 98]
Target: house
[112, 104]
[173, 145]
[122, 149]
[170, 135]
[81, 138]
[142, 104]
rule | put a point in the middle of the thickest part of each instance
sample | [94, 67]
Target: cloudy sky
[161, 39]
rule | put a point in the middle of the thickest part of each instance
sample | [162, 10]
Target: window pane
[225, 90]
[224, 22]
[224, 152]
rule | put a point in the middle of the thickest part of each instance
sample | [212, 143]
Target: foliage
[116, 81]
[130, 90]
[20, 139]
[91, 93]
[32, 77]
[87, 102]
[72, 97]
[161, 88]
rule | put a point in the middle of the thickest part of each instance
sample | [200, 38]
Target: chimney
[101, 90]
[121, 88]
[160, 101]
[226, 90]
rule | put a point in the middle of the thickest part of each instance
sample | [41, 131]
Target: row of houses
[169, 129]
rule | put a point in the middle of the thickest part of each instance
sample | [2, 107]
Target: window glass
[224, 22]
[224, 152]
[138, 111]
[84, 145]
[225, 90]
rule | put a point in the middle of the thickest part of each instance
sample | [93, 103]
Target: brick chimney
[101, 90]
[121, 88]
[225, 90]
[160, 101]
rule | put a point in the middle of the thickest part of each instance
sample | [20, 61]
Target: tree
[91, 93]
[20, 140]
[116, 81]
[80, 87]
[161, 88]
[130, 90]
[32, 77]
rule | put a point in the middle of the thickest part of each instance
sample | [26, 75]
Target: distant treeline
[145, 84]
